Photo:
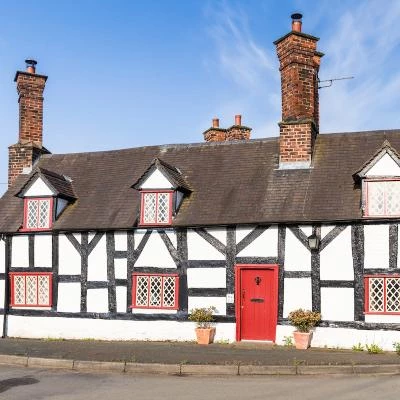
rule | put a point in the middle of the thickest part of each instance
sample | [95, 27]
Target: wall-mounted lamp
[313, 242]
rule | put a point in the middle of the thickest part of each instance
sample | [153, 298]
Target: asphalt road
[33, 384]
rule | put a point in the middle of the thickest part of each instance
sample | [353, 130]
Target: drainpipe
[6, 284]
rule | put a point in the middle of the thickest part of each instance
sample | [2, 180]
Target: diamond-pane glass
[155, 291]
[32, 214]
[149, 208]
[31, 290]
[163, 208]
[169, 291]
[142, 291]
[384, 198]
[19, 289]
[376, 295]
[44, 214]
[376, 198]
[393, 294]
[43, 290]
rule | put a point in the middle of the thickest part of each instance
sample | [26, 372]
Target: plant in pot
[204, 318]
[303, 321]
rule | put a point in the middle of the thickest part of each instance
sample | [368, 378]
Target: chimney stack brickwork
[29, 148]
[299, 65]
[235, 132]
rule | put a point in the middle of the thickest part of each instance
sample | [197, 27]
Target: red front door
[257, 295]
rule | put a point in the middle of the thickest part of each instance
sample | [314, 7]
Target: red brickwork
[30, 87]
[215, 135]
[238, 132]
[299, 65]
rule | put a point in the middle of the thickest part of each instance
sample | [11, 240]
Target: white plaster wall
[78, 328]
[307, 229]
[121, 268]
[376, 246]
[336, 259]
[121, 241]
[200, 249]
[381, 318]
[297, 256]
[325, 229]
[69, 297]
[172, 236]
[219, 234]
[241, 233]
[156, 181]
[266, 245]
[121, 292]
[155, 253]
[337, 304]
[386, 166]
[38, 188]
[43, 251]
[218, 302]
[297, 295]
[20, 252]
[152, 311]
[2, 256]
[97, 300]
[97, 262]
[206, 277]
[2, 293]
[69, 261]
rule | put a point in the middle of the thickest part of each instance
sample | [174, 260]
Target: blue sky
[133, 73]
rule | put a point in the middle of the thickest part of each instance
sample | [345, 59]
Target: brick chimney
[22, 155]
[238, 131]
[299, 64]
[215, 133]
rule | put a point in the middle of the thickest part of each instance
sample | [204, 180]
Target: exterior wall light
[313, 242]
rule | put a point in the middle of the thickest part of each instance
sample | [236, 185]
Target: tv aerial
[329, 82]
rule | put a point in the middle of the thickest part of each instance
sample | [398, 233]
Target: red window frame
[50, 221]
[157, 192]
[25, 274]
[148, 306]
[366, 212]
[366, 295]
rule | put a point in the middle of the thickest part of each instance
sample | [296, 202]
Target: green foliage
[288, 341]
[396, 346]
[202, 316]
[373, 348]
[304, 320]
[358, 347]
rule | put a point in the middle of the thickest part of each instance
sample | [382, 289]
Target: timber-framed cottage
[122, 244]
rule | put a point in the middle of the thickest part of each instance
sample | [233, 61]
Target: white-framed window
[38, 214]
[155, 291]
[31, 289]
[382, 198]
[156, 208]
[382, 294]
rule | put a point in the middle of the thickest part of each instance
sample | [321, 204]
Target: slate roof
[232, 183]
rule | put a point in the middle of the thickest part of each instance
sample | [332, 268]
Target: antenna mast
[330, 81]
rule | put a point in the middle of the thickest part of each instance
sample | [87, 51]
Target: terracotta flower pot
[205, 335]
[302, 340]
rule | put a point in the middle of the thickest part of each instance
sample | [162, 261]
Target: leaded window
[383, 198]
[38, 214]
[30, 289]
[156, 208]
[382, 294]
[155, 291]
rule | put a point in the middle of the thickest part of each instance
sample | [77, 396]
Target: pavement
[187, 358]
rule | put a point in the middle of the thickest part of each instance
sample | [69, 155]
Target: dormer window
[380, 184]
[156, 208]
[38, 213]
[162, 189]
[46, 195]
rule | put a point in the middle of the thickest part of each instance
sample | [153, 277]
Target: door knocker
[258, 280]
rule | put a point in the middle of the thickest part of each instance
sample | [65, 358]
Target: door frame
[238, 270]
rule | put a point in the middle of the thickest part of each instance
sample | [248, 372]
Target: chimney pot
[31, 66]
[296, 22]
[215, 123]
[238, 120]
